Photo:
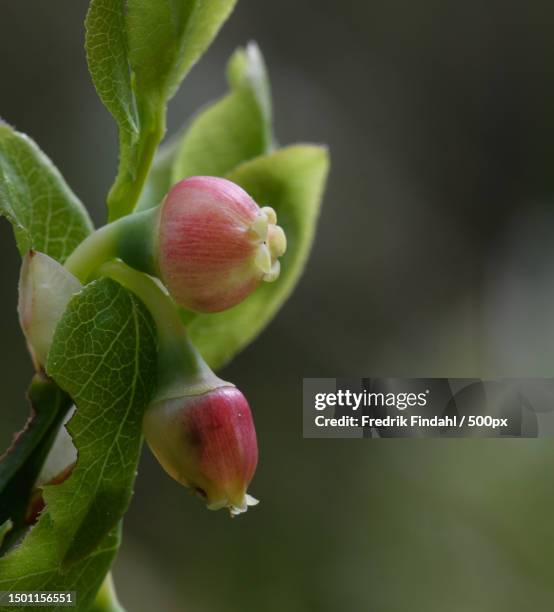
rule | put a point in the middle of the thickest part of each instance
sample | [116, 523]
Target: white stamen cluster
[272, 243]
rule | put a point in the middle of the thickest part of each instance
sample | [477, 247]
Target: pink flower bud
[216, 244]
[207, 442]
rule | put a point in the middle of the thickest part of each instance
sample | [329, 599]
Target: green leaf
[106, 49]
[166, 38]
[45, 214]
[22, 462]
[108, 60]
[35, 566]
[291, 180]
[234, 129]
[104, 356]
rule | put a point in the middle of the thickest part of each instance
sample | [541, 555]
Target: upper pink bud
[216, 244]
[207, 442]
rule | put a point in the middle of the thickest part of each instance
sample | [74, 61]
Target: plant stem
[95, 250]
[125, 193]
[181, 369]
[132, 238]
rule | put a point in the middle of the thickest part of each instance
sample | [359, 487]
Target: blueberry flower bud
[45, 288]
[207, 442]
[216, 244]
[208, 242]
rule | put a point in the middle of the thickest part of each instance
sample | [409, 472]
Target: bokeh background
[434, 257]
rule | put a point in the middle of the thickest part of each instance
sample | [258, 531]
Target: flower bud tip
[249, 501]
[207, 442]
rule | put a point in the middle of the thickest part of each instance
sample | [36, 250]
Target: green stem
[132, 238]
[106, 599]
[181, 369]
[125, 193]
[95, 250]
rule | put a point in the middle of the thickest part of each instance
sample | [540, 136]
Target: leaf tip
[4, 125]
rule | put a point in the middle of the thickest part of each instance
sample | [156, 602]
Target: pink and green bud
[207, 442]
[208, 242]
[216, 244]
[198, 426]
[45, 288]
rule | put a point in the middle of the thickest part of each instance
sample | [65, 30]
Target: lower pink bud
[207, 442]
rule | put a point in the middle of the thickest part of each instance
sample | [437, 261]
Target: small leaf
[166, 38]
[139, 134]
[22, 462]
[35, 566]
[106, 48]
[234, 129]
[45, 214]
[291, 180]
[104, 356]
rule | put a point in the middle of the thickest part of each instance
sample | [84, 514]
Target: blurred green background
[434, 257]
